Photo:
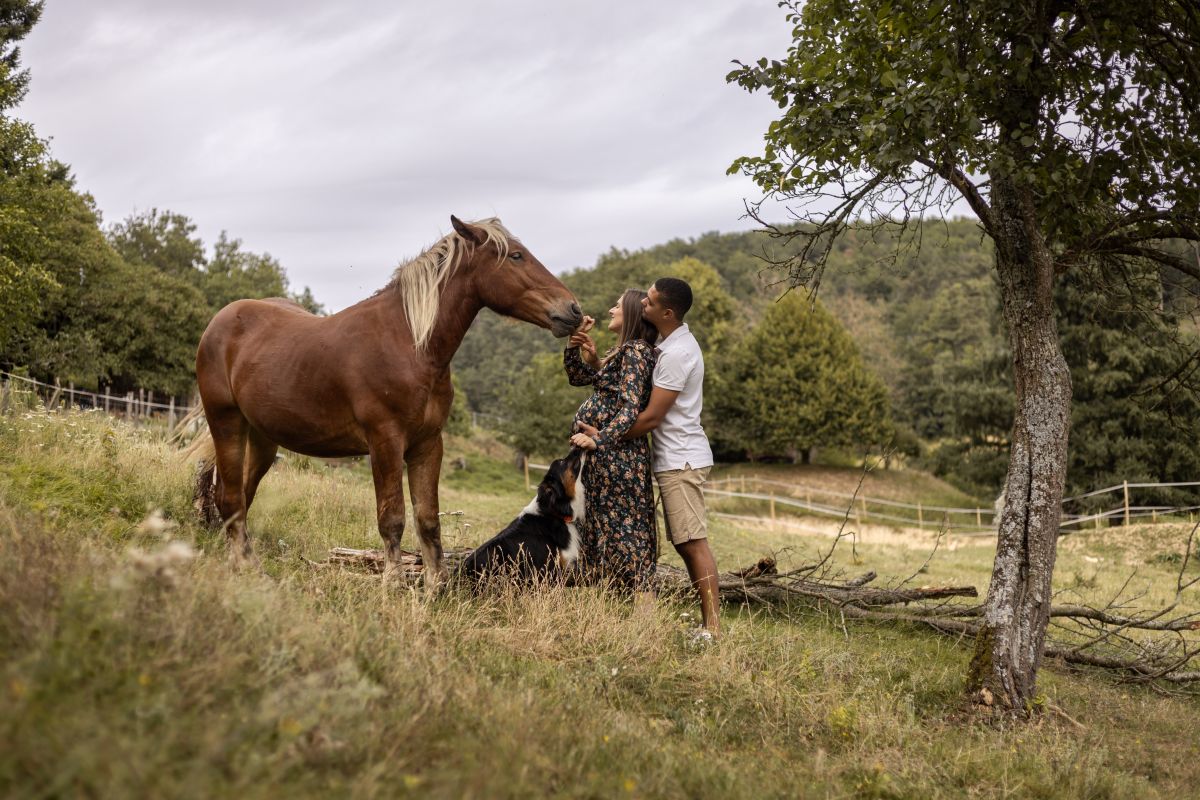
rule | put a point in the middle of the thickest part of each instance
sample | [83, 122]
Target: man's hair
[675, 295]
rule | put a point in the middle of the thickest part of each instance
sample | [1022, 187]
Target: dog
[543, 540]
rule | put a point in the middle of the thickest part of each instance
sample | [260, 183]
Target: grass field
[131, 667]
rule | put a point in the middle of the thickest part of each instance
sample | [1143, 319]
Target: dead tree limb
[1092, 637]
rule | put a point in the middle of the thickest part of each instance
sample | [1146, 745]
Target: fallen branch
[758, 584]
[761, 584]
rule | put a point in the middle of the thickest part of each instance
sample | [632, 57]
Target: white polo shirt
[679, 440]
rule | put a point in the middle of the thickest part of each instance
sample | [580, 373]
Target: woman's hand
[584, 441]
[587, 347]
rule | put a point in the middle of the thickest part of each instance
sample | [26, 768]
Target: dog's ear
[545, 496]
[553, 499]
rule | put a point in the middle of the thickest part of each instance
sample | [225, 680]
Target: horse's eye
[516, 256]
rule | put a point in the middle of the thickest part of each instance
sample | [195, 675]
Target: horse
[373, 379]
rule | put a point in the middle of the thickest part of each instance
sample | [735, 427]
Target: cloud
[340, 139]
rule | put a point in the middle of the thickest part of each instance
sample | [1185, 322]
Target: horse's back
[249, 332]
[243, 317]
[286, 371]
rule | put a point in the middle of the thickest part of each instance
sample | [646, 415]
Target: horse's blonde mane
[420, 280]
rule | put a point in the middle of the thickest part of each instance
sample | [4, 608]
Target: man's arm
[660, 403]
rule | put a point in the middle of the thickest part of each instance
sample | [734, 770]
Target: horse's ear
[468, 232]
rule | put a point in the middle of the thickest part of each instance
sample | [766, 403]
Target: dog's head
[557, 494]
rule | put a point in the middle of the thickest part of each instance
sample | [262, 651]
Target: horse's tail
[203, 453]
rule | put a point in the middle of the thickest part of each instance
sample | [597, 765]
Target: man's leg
[687, 526]
[702, 569]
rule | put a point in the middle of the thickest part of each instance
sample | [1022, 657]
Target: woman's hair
[633, 324]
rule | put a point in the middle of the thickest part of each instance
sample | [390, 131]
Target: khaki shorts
[683, 503]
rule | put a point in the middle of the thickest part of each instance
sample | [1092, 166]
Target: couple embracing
[650, 382]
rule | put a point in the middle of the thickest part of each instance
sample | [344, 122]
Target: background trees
[539, 405]
[796, 382]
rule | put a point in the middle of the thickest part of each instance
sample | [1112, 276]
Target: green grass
[125, 676]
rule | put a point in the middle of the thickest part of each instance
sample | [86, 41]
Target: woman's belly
[594, 412]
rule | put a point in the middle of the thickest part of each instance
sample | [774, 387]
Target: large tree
[1072, 130]
[17, 18]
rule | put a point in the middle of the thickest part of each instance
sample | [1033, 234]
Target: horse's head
[511, 281]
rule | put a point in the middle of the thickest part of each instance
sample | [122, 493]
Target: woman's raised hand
[587, 347]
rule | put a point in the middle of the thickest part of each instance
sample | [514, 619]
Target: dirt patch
[912, 538]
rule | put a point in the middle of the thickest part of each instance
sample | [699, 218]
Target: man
[681, 455]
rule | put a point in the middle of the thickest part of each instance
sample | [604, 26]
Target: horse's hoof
[393, 574]
[435, 581]
[244, 562]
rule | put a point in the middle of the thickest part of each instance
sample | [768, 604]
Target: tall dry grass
[134, 662]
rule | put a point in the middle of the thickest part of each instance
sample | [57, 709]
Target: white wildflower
[156, 524]
[161, 565]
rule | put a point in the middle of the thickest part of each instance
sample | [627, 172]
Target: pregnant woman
[619, 536]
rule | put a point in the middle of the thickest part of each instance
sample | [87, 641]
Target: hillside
[925, 317]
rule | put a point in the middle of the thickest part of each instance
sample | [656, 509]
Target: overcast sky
[340, 137]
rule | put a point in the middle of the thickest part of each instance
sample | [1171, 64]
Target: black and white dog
[543, 540]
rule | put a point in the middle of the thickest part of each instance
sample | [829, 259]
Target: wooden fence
[140, 404]
[778, 497]
[772, 496]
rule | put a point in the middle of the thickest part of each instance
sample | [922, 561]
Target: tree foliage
[17, 18]
[539, 405]
[26, 189]
[797, 382]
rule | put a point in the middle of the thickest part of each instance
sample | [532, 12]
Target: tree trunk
[1008, 650]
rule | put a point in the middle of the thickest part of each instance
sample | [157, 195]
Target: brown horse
[372, 379]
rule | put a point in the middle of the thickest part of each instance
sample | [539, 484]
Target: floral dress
[618, 534]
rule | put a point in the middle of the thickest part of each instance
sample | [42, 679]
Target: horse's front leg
[424, 468]
[387, 468]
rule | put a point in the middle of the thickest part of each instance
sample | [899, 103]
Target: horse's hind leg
[230, 431]
[260, 456]
[424, 467]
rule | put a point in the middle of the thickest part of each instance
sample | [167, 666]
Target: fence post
[743, 484]
[150, 403]
[1125, 484]
[920, 516]
[128, 405]
[525, 465]
[107, 389]
[141, 404]
[1154, 515]
[978, 517]
[54, 397]
[71, 394]
[3, 395]
[171, 416]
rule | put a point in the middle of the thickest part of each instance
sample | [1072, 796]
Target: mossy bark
[1017, 611]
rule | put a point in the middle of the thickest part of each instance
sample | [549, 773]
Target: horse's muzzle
[565, 319]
